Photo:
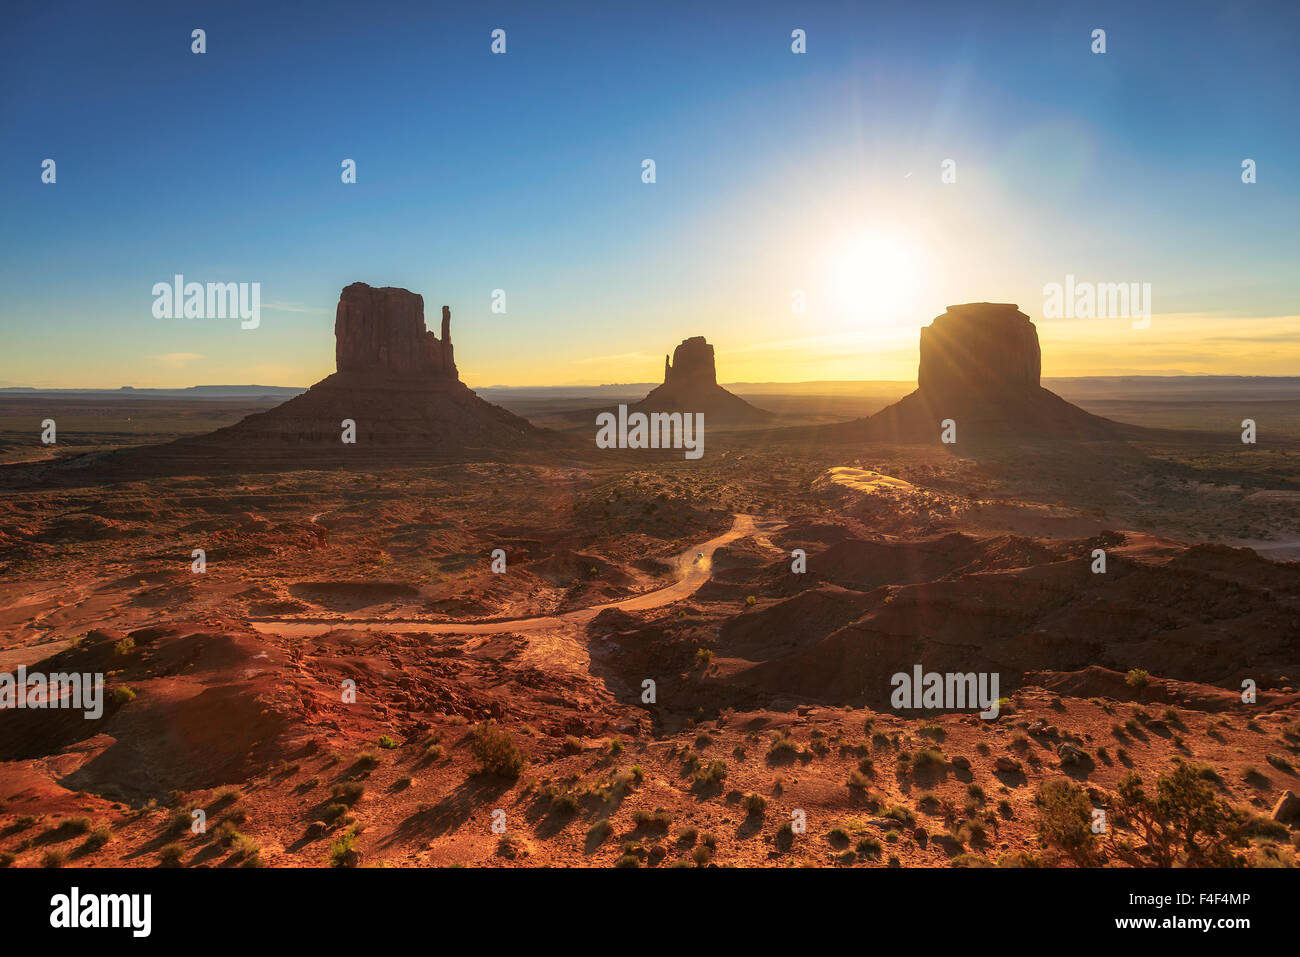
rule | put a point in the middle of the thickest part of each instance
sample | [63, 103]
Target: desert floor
[770, 739]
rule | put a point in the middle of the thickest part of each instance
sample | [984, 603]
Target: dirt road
[693, 568]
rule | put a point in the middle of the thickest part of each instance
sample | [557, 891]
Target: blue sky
[523, 172]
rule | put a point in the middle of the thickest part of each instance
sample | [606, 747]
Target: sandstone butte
[691, 385]
[980, 366]
[394, 378]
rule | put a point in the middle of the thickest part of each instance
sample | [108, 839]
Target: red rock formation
[980, 348]
[382, 330]
[396, 381]
[980, 366]
[692, 365]
[691, 385]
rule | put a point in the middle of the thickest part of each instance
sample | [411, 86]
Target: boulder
[1069, 754]
[1287, 807]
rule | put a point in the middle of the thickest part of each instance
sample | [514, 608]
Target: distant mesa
[981, 366]
[691, 385]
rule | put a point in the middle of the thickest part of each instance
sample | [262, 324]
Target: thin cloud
[178, 360]
[292, 307]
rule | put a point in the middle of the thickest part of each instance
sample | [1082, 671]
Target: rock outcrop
[692, 366]
[980, 365]
[396, 382]
[691, 385]
[382, 331]
[979, 348]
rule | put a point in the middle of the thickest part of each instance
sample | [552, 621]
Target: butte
[980, 366]
[395, 379]
[691, 385]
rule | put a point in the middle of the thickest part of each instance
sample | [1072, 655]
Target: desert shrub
[97, 838]
[1020, 859]
[54, 858]
[1182, 823]
[496, 752]
[711, 776]
[171, 855]
[69, 827]
[242, 846]
[782, 748]
[124, 647]
[600, 830]
[870, 847]
[1138, 678]
[564, 803]
[1065, 819]
[179, 821]
[388, 743]
[656, 820]
[338, 853]
[334, 813]
[928, 758]
[754, 805]
[900, 814]
[349, 792]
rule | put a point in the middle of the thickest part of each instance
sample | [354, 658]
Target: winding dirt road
[692, 571]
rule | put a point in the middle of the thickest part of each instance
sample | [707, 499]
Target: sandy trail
[692, 571]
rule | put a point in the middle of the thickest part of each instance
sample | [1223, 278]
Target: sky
[781, 179]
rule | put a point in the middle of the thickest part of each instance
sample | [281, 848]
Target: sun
[875, 277]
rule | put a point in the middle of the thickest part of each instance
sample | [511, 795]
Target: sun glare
[875, 278]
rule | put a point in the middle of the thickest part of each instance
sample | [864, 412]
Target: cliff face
[382, 331]
[980, 348]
